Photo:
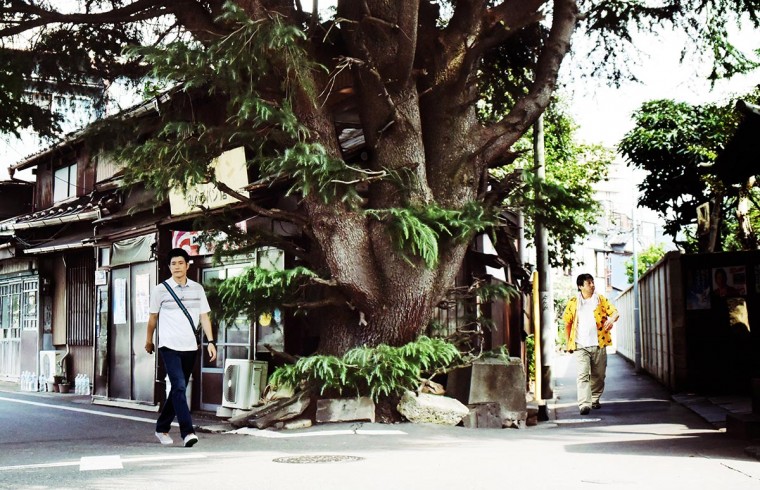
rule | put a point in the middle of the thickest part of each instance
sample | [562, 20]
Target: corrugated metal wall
[661, 306]
[80, 298]
[80, 312]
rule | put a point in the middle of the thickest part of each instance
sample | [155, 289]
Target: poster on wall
[193, 242]
[698, 289]
[729, 281]
[142, 297]
[119, 301]
[269, 331]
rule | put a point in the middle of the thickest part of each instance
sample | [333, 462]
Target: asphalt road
[638, 439]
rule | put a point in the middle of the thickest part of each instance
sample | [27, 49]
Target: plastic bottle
[78, 384]
[87, 387]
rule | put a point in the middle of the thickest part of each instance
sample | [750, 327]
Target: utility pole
[636, 313]
[546, 302]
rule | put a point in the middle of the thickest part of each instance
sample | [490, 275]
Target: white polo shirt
[174, 330]
[586, 336]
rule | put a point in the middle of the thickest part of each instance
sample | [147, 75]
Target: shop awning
[79, 240]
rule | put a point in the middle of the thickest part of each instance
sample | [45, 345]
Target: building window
[65, 183]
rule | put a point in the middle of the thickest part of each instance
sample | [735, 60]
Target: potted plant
[64, 385]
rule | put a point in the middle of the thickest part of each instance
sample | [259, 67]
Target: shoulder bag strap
[181, 305]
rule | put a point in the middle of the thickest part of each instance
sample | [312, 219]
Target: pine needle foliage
[488, 292]
[419, 229]
[377, 372]
[234, 69]
[256, 290]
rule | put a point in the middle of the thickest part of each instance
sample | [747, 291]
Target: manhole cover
[322, 458]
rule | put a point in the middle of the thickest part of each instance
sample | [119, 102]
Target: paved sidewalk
[636, 398]
[623, 383]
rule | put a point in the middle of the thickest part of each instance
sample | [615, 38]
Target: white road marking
[134, 459]
[84, 410]
[576, 421]
[268, 434]
[92, 463]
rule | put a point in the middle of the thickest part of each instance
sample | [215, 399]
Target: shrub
[372, 371]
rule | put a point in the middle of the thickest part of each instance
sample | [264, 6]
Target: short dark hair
[581, 279]
[177, 252]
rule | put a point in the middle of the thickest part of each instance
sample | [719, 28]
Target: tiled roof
[84, 208]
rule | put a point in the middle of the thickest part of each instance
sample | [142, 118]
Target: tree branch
[501, 136]
[308, 305]
[136, 11]
[269, 213]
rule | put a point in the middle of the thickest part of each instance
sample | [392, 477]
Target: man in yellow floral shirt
[588, 321]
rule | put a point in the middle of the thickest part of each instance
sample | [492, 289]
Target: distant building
[605, 252]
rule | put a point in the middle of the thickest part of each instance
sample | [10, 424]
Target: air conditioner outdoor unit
[244, 381]
[50, 363]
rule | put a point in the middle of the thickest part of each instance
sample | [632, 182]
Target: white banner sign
[229, 168]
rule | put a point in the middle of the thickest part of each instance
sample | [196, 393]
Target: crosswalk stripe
[93, 463]
[94, 460]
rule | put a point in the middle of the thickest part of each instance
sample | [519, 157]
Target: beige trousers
[592, 369]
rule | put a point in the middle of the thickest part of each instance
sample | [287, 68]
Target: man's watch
[212, 342]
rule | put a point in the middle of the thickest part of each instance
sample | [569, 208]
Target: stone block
[361, 409]
[434, 409]
[483, 416]
[297, 424]
[493, 380]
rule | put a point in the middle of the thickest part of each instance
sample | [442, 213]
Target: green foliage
[610, 28]
[371, 371]
[645, 260]
[487, 292]
[418, 230]
[566, 205]
[232, 69]
[255, 290]
[677, 145]
[314, 171]
[530, 355]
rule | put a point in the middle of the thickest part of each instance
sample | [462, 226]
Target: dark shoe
[596, 405]
[190, 440]
[585, 410]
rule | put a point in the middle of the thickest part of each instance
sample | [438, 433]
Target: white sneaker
[190, 440]
[164, 438]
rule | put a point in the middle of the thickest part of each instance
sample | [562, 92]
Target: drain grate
[315, 459]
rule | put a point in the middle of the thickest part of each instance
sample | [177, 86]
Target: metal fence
[661, 313]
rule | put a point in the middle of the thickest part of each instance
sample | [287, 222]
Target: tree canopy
[644, 260]
[678, 145]
[385, 234]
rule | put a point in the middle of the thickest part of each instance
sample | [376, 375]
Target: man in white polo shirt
[177, 343]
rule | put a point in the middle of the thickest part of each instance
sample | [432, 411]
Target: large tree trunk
[419, 120]
[399, 313]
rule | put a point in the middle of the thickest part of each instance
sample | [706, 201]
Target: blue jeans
[179, 365]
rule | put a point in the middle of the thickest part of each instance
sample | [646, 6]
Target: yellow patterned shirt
[603, 310]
